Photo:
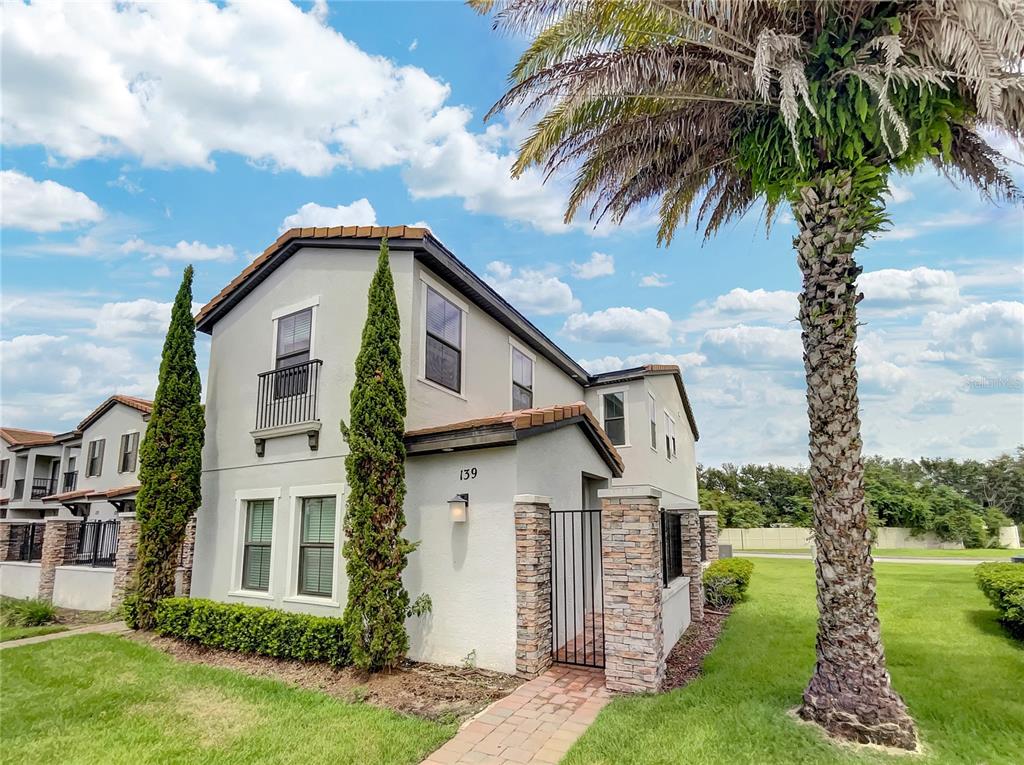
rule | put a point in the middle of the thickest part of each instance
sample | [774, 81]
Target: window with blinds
[259, 530]
[129, 453]
[316, 547]
[293, 332]
[615, 417]
[522, 380]
[443, 342]
[94, 464]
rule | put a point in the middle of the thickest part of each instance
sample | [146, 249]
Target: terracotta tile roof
[525, 419]
[141, 404]
[121, 491]
[22, 437]
[334, 232]
[68, 496]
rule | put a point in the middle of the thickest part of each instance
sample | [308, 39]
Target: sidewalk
[877, 558]
[110, 628]
[537, 723]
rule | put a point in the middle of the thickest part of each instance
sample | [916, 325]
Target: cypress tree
[374, 550]
[170, 462]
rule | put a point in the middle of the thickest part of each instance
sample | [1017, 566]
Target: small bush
[26, 613]
[726, 580]
[1003, 585]
[130, 611]
[252, 629]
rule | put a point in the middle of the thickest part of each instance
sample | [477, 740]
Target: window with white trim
[316, 546]
[670, 437]
[614, 409]
[4, 465]
[259, 533]
[522, 380]
[94, 464]
[294, 337]
[652, 408]
[443, 362]
[129, 454]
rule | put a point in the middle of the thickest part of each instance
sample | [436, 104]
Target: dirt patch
[425, 690]
[687, 657]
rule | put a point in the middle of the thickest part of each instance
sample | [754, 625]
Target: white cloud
[127, 184]
[899, 194]
[907, 290]
[531, 290]
[189, 252]
[162, 271]
[33, 205]
[655, 280]
[613, 363]
[621, 325]
[359, 213]
[414, 44]
[600, 264]
[140, 317]
[753, 346]
[983, 330]
[955, 219]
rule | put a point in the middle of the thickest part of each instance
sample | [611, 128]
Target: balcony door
[293, 342]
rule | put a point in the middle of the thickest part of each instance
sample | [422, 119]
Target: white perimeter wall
[675, 610]
[886, 537]
[19, 580]
[83, 587]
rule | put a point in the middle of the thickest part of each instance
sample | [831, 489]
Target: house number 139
[467, 473]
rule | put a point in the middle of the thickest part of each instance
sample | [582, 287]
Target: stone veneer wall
[689, 523]
[533, 584]
[5, 541]
[188, 556]
[127, 554]
[60, 542]
[631, 560]
[710, 534]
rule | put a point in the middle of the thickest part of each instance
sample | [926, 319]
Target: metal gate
[577, 593]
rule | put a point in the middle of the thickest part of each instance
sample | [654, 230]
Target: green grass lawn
[960, 674]
[98, 698]
[17, 633]
[910, 552]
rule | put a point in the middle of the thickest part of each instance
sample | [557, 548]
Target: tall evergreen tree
[170, 462]
[374, 550]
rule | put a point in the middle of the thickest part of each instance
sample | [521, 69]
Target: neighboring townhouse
[509, 441]
[29, 473]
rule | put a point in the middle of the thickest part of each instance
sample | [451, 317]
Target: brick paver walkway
[537, 723]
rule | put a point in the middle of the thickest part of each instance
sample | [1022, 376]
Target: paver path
[877, 558]
[537, 723]
[108, 628]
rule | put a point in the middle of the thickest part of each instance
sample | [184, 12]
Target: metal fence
[26, 543]
[577, 588]
[97, 543]
[289, 395]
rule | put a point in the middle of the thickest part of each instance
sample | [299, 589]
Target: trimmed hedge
[252, 629]
[1003, 585]
[726, 580]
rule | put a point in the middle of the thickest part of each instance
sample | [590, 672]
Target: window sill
[312, 600]
[440, 387]
[250, 594]
[293, 429]
[675, 586]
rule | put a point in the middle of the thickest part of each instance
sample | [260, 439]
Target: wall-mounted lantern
[459, 507]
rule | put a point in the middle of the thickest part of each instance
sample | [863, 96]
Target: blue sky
[136, 140]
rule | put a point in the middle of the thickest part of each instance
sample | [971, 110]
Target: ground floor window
[671, 547]
[316, 546]
[259, 531]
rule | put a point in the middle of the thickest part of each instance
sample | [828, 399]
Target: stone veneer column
[689, 523]
[127, 555]
[631, 562]
[533, 583]
[188, 553]
[60, 542]
[710, 518]
[5, 540]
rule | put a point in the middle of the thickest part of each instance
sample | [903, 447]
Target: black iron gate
[577, 593]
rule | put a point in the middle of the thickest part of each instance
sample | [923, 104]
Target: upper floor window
[259, 532]
[444, 342]
[614, 406]
[652, 411]
[293, 335]
[129, 453]
[316, 546]
[3, 473]
[670, 437]
[522, 380]
[94, 464]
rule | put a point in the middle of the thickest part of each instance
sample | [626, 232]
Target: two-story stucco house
[497, 414]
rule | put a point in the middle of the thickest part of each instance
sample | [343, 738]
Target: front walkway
[537, 723]
[108, 628]
[877, 558]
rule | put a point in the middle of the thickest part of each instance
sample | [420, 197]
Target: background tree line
[959, 500]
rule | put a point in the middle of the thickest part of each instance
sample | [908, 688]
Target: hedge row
[1003, 585]
[252, 629]
[726, 580]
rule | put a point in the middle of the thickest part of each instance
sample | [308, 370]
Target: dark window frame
[95, 453]
[444, 343]
[518, 387]
[4, 470]
[295, 383]
[247, 545]
[304, 545]
[671, 547]
[605, 419]
[129, 448]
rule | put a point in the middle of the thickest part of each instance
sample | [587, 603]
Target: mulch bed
[430, 691]
[687, 657]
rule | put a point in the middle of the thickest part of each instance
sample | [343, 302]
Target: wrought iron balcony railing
[288, 396]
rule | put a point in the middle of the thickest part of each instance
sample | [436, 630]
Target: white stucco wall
[19, 580]
[110, 425]
[886, 537]
[675, 611]
[83, 587]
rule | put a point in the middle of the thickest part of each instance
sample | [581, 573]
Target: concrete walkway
[878, 558]
[537, 723]
[110, 628]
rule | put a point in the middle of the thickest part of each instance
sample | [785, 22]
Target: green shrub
[252, 629]
[726, 580]
[130, 611]
[1003, 585]
[26, 613]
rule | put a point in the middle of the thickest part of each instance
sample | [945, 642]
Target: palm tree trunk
[849, 694]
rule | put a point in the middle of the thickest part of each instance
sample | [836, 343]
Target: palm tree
[710, 107]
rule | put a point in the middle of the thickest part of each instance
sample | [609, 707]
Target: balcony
[70, 480]
[43, 487]
[286, 403]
